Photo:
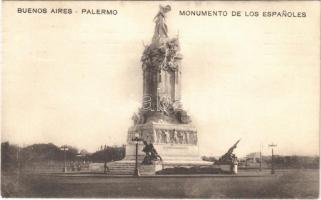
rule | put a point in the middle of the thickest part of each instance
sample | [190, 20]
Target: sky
[77, 79]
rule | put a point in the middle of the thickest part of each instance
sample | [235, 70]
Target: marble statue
[161, 29]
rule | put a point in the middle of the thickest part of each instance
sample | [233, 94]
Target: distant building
[252, 160]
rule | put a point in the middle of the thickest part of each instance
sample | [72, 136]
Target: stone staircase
[122, 167]
[127, 167]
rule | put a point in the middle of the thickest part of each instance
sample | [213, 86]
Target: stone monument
[161, 120]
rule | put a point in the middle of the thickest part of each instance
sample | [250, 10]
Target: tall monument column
[161, 65]
[162, 121]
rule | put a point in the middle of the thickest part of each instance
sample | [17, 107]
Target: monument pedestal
[175, 143]
[227, 168]
[150, 170]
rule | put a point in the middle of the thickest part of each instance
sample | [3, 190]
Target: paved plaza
[247, 184]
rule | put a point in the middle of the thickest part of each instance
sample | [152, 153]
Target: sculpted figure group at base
[151, 154]
[175, 137]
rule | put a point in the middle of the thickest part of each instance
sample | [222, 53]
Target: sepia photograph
[160, 99]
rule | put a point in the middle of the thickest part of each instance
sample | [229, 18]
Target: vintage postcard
[160, 99]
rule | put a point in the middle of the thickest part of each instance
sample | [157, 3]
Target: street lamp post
[136, 139]
[18, 162]
[65, 149]
[105, 163]
[261, 157]
[260, 161]
[272, 159]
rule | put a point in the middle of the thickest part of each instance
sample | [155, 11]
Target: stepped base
[127, 167]
[175, 143]
[122, 167]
